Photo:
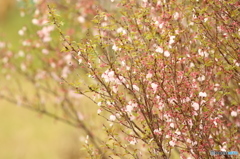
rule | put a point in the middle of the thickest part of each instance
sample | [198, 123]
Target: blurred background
[25, 134]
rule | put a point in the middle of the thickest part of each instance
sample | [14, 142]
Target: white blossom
[45, 51]
[121, 30]
[177, 132]
[176, 16]
[135, 87]
[172, 125]
[154, 86]
[108, 76]
[192, 64]
[172, 143]
[86, 140]
[112, 118]
[166, 53]
[157, 131]
[21, 53]
[202, 53]
[99, 111]
[81, 19]
[171, 40]
[129, 108]
[159, 50]
[115, 48]
[35, 21]
[149, 75]
[202, 94]
[187, 99]
[195, 106]
[79, 61]
[123, 63]
[201, 78]
[233, 113]
[133, 141]
[115, 89]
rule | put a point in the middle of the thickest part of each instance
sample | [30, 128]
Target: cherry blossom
[202, 94]
[112, 118]
[233, 113]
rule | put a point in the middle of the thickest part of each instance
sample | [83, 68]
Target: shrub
[165, 74]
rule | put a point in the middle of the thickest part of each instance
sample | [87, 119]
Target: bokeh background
[25, 134]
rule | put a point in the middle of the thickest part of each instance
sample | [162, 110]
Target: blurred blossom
[171, 40]
[2, 44]
[133, 141]
[202, 94]
[176, 16]
[23, 67]
[99, 111]
[135, 87]
[112, 118]
[166, 53]
[121, 30]
[45, 51]
[154, 86]
[201, 78]
[149, 75]
[172, 143]
[115, 48]
[195, 106]
[159, 50]
[202, 53]
[115, 89]
[108, 76]
[81, 19]
[80, 116]
[172, 125]
[233, 113]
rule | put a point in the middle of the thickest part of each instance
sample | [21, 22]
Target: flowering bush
[165, 74]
